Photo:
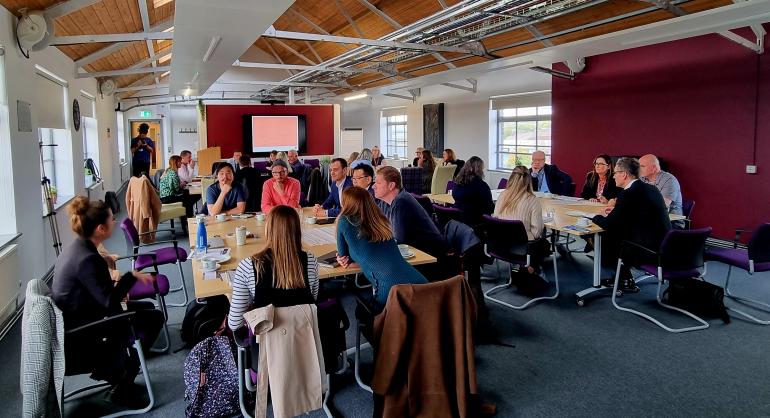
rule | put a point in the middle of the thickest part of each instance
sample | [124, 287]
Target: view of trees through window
[520, 132]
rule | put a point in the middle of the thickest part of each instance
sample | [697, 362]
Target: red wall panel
[224, 124]
[691, 102]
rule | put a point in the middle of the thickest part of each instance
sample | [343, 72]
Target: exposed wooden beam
[294, 51]
[277, 83]
[322, 68]
[145, 15]
[67, 7]
[349, 19]
[276, 56]
[113, 37]
[109, 50]
[124, 72]
[310, 47]
[381, 14]
[163, 53]
[309, 22]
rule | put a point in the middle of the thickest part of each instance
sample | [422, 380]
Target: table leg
[597, 279]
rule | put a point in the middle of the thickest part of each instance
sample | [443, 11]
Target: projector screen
[263, 134]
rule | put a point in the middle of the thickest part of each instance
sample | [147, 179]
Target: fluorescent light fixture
[171, 29]
[187, 92]
[158, 3]
[212, 46]
[195, 78]
[505, 67]
[355, 97]
[164, 59]
[165, 74]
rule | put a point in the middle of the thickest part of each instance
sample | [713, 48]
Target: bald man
[665, 182]
[548, 178]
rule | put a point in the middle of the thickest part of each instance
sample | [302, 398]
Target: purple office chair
[502, 184]
[411, 179]
[680, 256]
[156, 257]
[687, 208]
[506, 240]
[312, 162]
[445, 213]
[260, 165]
[450, 185]
[756, 258]
[425, 203]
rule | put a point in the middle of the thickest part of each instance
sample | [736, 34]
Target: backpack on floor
[211, 379]
[111, 199]
[203, 319]
[697, 296]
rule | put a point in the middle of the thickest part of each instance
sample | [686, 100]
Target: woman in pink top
[281, 189]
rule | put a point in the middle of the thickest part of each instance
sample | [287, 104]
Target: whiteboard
[351, 140]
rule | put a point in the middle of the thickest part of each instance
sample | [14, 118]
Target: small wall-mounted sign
[145, 113]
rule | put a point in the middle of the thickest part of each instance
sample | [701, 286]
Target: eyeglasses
[362, 177]
[619, 171]
[600, 164]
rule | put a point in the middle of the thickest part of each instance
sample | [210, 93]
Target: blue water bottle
[202, 238]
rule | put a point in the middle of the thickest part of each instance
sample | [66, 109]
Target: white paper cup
[404, 249]
[240, 235]
[583, 222]
[311, 220]
[261, 216]
[221, 217]
[209, 263]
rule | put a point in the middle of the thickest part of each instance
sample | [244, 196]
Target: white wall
[36, 250]
[183, 117]
[466, 114]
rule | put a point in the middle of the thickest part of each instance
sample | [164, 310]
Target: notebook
[328, 260]
[216, 242]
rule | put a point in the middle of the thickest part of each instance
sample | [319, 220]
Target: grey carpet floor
[565, 361]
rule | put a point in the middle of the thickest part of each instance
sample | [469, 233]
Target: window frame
[498, 149]
[394, 144]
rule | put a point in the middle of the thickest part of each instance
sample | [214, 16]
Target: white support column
[291, 95]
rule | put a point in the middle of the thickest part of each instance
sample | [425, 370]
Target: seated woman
[518, 202]
[225, 196]
[173, 190]
[85, 291]
[600, 184]
[428, 165]
[377, 157]
[365, 238]
[281, 274]
[449, 157]
[472, 194]
[365, 157]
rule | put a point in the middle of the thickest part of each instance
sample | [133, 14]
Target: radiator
[9, 282]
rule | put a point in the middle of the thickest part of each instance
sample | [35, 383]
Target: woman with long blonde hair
[365, 238]
[281, 274]
[518, 202]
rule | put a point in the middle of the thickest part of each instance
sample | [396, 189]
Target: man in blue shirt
[224, 196]
[340, 182]
[142, 148]
[548, 178]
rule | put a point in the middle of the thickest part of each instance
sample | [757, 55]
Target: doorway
[156, 134]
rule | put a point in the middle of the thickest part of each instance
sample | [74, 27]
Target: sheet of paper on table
[320, 236]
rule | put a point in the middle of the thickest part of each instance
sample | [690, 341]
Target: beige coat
[143, 205]
[290, 359]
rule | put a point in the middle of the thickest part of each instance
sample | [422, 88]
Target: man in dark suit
[548, 178]
[639, 215]
[249, 178]
[333, 204]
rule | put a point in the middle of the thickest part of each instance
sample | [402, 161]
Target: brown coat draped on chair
[424, 365]
[143, 206]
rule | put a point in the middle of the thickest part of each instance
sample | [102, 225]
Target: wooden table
[212, 287]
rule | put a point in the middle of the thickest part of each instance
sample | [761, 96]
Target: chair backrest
[502, 184]
[260, 165]
[507, 238]
[411, 179]
[445, 213]
[570, 189]
[131, 233]
[215, 165]
[682, 250]
[450, 185]
[441, 176]
[156, 178]
[687, 207]
[312, 162]
[759, 245]
[425, 203]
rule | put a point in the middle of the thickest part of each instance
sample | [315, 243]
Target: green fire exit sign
[145, 114]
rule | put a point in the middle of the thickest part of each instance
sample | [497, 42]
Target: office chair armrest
[133, 256]
[173, 233]
[242, 337]
[173, 241]
[109, 319]
[738, 233]
[136, 248]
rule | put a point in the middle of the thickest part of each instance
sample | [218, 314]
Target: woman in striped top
[281, 274]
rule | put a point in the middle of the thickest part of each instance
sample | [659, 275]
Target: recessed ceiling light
[171, 29]
[164, 59]
[355, 97]
[165, 74]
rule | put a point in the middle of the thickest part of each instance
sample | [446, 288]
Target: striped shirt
[244, 284]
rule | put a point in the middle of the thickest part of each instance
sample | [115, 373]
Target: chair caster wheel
[619, 293]
[581, 302]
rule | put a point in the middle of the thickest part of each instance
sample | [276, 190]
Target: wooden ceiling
[123, 16]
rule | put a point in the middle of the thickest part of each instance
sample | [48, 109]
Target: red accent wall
[691, 102]
[224, 124]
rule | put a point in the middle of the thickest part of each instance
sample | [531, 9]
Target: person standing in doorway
[142, 148]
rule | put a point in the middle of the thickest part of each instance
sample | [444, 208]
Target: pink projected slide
[274, 133]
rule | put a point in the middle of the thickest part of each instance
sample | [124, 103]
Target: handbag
[697, 296]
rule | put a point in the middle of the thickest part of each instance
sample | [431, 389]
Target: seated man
[363, 177]
[548, 178]
[294, 162]
[411, 223]
[248, 177]
[272, 157]
[665, 182]
[225, 196]
[234, 162]
[418, 155]
[187, 171]
[639, 216]
[340, 182]
[281, 189]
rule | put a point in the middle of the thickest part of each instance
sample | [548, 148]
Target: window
[90, 144]
[520, 124]
[57, 162]
[7, 207]
[393, 138]
[121, 138]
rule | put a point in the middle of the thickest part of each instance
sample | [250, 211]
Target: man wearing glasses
[639, 215]
[548, 178]
[281, 189]
[363, 177]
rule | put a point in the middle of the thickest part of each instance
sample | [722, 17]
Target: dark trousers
[140, 168]
[188, 201]
[107, 352]
[611, 245]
